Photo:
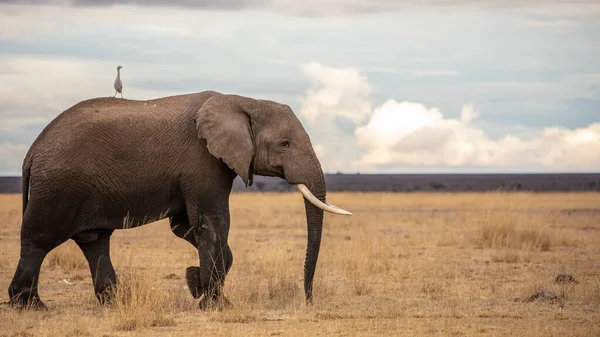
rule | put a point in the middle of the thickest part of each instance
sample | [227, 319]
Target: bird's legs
[121, 94]
[115, 94]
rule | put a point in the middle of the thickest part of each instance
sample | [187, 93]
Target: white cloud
[392, 120]
[336, 92]
[408, 133]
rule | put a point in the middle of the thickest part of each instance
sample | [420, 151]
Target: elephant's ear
[225, 124]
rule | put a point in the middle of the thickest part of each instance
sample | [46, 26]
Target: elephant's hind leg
[95, 245]
[23, 289]
[36, 242]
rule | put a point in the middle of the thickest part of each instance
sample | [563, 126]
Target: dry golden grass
[404, 264]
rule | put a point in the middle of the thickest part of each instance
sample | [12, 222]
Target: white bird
[118, 83]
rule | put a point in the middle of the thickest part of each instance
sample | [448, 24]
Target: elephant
[106, 163]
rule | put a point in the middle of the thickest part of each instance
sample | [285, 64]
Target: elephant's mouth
[327, 207]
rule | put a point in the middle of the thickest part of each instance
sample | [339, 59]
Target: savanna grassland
[403, 264]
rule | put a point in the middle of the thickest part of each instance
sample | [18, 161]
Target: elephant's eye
[284, 143]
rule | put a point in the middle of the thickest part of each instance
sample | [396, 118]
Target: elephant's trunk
[314, 221]
[309, 179]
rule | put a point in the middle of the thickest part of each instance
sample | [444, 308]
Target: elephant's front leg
[192, 275]
[215, 259]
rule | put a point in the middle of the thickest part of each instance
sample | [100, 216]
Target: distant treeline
[439, 183]
[413, 183]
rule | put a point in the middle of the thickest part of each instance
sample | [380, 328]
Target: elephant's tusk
[324, 206]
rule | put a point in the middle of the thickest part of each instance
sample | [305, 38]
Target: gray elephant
[107, 164]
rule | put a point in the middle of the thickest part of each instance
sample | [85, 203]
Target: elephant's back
[120, 133]
[103, 120]
[122, 118]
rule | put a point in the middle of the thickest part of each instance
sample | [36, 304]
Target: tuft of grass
[433, 288]
[280, 291]
[510, 256]
[447, 240]
[514, 230]
[138, 303]
[361, 286]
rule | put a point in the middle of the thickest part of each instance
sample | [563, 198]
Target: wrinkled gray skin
[107, 164]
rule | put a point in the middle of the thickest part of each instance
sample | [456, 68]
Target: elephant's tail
[25, 182]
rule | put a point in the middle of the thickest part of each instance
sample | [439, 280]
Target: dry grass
[520, 230]
[404, 264]
[68, 257]
[138, 304]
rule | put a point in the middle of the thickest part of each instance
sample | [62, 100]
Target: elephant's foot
[214, 301]
[219, 302]
[27, 301]
[192, 277]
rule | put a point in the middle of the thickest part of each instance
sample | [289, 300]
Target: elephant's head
[266, 138]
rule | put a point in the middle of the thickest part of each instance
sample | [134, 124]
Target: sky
[381, 86]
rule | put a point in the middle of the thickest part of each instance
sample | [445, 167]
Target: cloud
[335, 92]
[409, 133]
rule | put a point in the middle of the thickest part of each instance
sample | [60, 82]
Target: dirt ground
[523, 264]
